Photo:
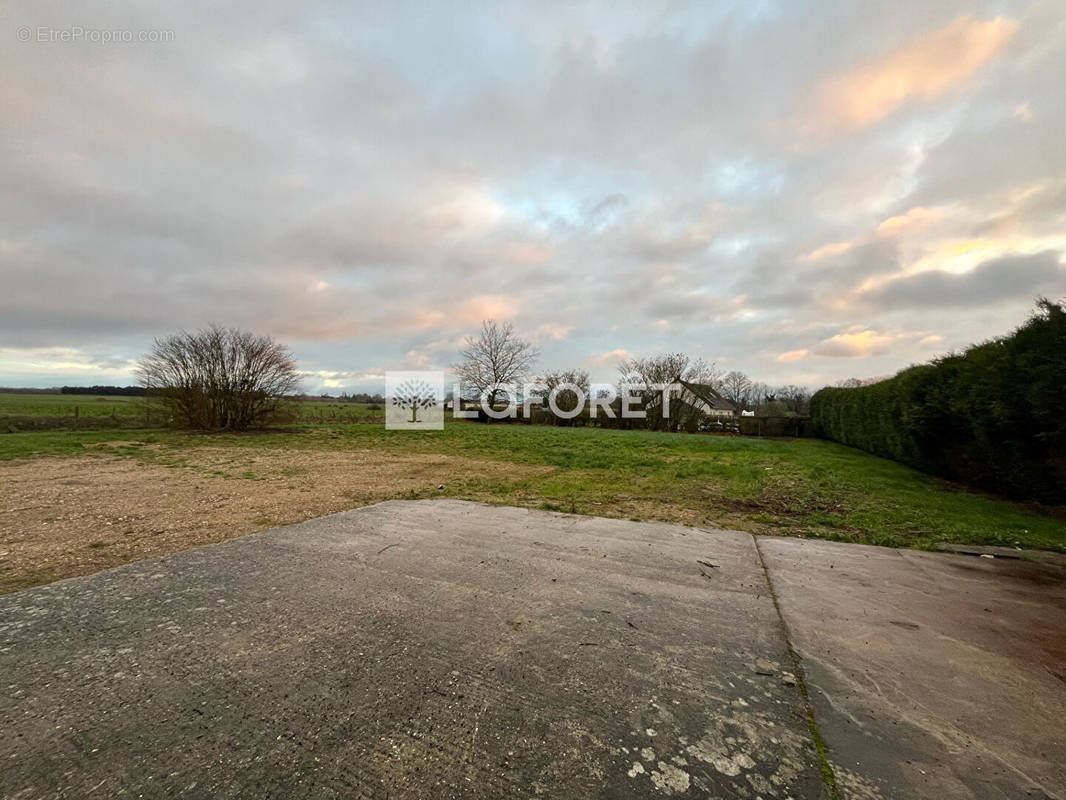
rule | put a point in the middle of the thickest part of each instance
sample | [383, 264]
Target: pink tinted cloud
[793, 355]
[609, 359]
[922, 69]
[855, 344]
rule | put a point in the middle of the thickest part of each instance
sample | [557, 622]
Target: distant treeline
[127, 391]
[344, 397]
[993, 416]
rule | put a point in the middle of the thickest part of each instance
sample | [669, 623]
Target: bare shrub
[663, 370]
[219, 378]
[563, 383]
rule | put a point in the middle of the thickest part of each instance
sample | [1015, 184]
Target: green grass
[63, 405]
[44, 411]
[311, 411]
[802, 487]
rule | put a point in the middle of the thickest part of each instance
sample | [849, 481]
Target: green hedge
[993, 417]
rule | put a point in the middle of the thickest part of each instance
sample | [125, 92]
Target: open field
[21, 411]
[331, 411]
[78, 501]
[14, 404]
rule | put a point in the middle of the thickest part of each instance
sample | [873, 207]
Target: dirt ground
[64, 517]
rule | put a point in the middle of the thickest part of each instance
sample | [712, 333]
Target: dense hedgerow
[993, 416]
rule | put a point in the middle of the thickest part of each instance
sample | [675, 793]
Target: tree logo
[414, 400]
[415, 395]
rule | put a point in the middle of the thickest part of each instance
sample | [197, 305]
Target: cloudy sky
[806, 191]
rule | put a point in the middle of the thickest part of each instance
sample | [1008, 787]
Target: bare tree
[855, 383]
[566, 399]
[667, 368]
[495, 357]
[736, 388]
[758, 393]
[664, 370]
[653, 369]
[797, 399]
[849, 383]
[219, 377]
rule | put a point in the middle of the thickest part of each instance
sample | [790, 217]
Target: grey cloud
[685, 305]
[992, 281]
[784, 281]
[341, 174]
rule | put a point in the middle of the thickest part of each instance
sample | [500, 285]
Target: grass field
[801, 487]
[325, 411]
[48, 411]
[63, 405]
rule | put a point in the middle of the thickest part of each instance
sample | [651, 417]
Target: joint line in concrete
[828, 777]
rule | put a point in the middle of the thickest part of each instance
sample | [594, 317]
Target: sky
[803, 191]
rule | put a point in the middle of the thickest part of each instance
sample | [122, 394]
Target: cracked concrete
[449, 649]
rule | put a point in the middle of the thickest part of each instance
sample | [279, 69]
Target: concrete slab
[411, 649]
[931, 675]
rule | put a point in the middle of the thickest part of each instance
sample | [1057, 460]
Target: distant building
[692, 407]
[704, 398]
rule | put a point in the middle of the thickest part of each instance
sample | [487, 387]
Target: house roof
[709, 395]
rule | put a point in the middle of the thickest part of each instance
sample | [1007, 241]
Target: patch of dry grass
[63, 517]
